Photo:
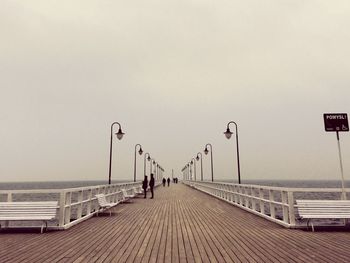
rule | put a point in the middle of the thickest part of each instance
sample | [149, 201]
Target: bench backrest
[101, 198]
[28, 210]
[323, 208]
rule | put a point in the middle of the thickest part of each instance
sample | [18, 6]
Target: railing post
[262, 204]
[62, 202]
[240, 191]
[252, 192]
[291, 208]
[80, 205]
[246, 198]
[236, 197]
[272, 205]
[88, 206]
[284, 207]
[67, 207]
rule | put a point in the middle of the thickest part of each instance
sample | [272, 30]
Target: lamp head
[197, 158]
[206, 151]
[154, 162]
[228, 133]
[120, 134]
[149, 158]
[191, 161]
[140, 151]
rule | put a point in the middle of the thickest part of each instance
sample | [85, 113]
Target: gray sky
[173, 73]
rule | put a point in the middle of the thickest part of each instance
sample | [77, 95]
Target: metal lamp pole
[140, 152]
[144, 162]
[228, 134]
[193, 161]
[211, 157]
[120, 135]
[197, 158]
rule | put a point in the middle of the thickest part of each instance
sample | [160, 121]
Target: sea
[74, 184]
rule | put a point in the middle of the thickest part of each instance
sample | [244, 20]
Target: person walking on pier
[145, 185]
[164, 181]
[168, 181]
[151, 185]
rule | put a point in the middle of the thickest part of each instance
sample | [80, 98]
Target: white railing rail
[75, 204]
[276, 204]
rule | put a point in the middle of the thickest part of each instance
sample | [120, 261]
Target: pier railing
[75, 204]
[276, 204]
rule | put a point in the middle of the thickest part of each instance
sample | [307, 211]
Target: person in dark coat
[168, 181]
[164, 181]
[145, 185]
[151, 185]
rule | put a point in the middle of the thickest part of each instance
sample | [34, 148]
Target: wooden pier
[179, 225]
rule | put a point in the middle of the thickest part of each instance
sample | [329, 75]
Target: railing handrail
[280, 188]
[59, 190]
[264, 201]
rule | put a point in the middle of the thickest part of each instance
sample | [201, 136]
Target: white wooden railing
[276, 204]
[75, 204]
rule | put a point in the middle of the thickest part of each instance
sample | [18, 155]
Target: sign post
[337, 122]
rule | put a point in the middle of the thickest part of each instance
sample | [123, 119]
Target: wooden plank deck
[179, 225]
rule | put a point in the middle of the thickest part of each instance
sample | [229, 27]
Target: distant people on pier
[145, 185]
[168, 181]
[164, 181]
[151, 185]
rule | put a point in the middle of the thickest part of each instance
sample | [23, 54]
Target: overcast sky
[173, 73]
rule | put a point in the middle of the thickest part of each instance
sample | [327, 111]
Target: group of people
[166, 181]
[145, 185]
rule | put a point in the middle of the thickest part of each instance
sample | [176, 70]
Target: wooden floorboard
[179, 225]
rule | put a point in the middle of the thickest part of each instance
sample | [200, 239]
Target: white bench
[28, 211]
[138, 190]
[323, 209]
[102, 202]
[127, 196]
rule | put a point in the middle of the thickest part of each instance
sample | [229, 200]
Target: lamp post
[211, 158]
[120, 135]
[140, 153]
[228, 135]
[144, 162]
[150, 168]
[193, 161]
[197, 158]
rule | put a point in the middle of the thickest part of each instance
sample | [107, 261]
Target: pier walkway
[179, 225]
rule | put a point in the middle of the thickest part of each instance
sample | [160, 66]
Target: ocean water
[51, 184]
[73, 184]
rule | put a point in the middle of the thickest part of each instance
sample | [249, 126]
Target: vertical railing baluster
[68, 207]
[285, 207]
[291, 208]
[252, 191]
[262, 203]
[61, 212]
[272, 205]
[89, 197]
[80, 204]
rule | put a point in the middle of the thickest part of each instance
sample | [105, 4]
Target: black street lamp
[197, 158]
[144, 162]
[140, 153]
[120, 135]
[228, 135]
[152, 161]
[193, 161]
[211, 158]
